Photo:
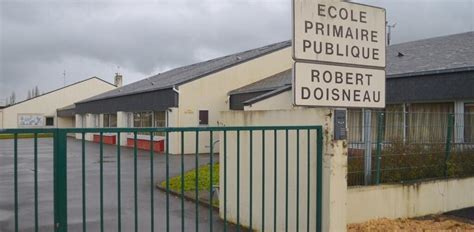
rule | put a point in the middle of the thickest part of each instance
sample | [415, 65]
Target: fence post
[380, 127]
[368, 147]
[60, 181]
[448, 142]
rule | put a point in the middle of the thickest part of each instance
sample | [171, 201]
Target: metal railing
[408, 147]
[63, 172]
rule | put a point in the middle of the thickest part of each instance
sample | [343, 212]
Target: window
[142, 119]
[469, 123]
[159, 119]
[203, 117]
[150, 119]
[49, 121]
[110, 120]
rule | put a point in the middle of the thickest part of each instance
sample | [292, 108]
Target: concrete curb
[177, 194]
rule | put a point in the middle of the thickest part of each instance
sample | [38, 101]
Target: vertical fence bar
[135, 154]
[15, 174]
[83, 151]
[101, 181]
[368, 147]
[225, 181]
[167, 183]
[182, 181]
[319, 179]
[196, 181]
[251, 176]
[152, 187]
[210, 181]
[380, 123]
[36, 179]
[60, 181]
[298, 180]
[448, 143]
[286, 180]
[275, 148]
[119, 189]
[238, 180]
[308, 183]
[263, 180]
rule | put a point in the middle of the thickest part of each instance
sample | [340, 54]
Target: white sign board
[338, 86]
[30, 120]
[338, 32]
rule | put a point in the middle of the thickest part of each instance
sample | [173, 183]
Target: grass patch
[26, 136]
[204, 182]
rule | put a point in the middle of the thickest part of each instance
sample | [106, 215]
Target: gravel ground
[434, 223]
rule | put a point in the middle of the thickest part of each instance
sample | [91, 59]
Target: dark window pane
[49, 121]
[110, 120]
[469, 123]
[203, 117]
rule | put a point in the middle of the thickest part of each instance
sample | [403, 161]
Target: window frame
[46, 121]
[107, 120]
[206, 119]
[468, 129]
[153, 115]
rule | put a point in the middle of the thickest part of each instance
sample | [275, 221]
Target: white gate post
[334, 180]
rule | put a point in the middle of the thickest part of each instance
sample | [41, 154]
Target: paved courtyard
[45, 183]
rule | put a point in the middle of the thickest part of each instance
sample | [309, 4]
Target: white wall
[334, 170]
[1, 118]
[409, 200]
[48, 104]
[65, 122]
[211, 93]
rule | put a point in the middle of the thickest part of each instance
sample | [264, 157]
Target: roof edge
[121, 95]
[267, 95]
[64, 87]
[240, 62]
[424, 73]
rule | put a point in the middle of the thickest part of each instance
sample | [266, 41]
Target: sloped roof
[435, 55]
[65, 87]
[439, 54]
[188, 73]
[269, 83]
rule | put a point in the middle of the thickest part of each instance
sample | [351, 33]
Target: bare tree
[12, 98]
[29, 94]
[37, 92]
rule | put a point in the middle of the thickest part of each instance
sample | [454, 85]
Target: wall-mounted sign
[338, 32]
[338, 86]
[339, 53]
[30, 120]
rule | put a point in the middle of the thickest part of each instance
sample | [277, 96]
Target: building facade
[41, 111]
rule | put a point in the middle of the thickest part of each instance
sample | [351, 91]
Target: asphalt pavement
[145, 189]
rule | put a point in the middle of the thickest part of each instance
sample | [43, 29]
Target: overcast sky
[40, 39]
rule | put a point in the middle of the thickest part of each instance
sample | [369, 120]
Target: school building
[43, 111]
[431, 75]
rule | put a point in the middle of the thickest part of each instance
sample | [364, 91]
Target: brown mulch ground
[434, 223]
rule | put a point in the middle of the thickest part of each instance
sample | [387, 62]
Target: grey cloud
[40, 39]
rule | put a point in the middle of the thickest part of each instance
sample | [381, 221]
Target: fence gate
[164, 179]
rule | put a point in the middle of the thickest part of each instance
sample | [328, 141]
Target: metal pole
[368, 147]
[380, 125]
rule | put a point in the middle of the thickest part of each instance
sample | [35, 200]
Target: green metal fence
[63, 219]
[395, 147]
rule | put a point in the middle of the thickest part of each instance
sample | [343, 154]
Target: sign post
[339, 62]
[339, 54]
